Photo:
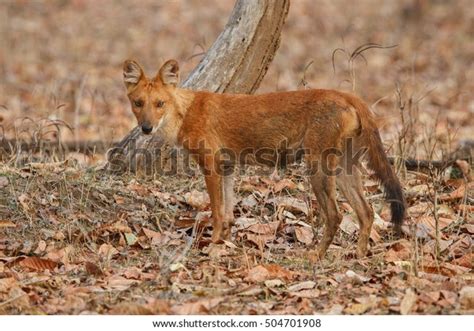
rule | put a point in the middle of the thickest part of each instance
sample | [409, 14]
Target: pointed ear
[132, 73]
[169, 73]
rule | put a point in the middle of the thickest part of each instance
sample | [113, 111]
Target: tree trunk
[236, 63]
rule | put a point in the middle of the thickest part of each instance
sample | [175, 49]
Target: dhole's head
[151, 98]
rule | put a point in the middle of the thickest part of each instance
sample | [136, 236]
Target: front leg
[228, 188]
[215, 186]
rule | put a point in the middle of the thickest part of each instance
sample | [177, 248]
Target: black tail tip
[398, 214]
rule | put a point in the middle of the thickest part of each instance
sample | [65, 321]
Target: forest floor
[78, 241]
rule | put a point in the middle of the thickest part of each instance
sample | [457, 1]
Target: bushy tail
[378, 162]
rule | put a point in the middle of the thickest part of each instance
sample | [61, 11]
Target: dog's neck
[170, 124]
[183, 99]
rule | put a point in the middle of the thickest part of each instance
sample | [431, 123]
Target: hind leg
[324, 187]
[351, 187]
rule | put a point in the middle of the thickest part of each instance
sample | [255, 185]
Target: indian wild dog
[315, 121]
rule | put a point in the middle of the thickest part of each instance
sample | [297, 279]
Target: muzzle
[146, 128]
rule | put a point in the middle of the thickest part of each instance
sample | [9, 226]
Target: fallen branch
[414, 164]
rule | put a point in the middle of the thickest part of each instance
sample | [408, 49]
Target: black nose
[147, 128]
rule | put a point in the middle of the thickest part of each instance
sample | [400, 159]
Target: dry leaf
[3, 181]
[203, 306]
[93, 269]
[38, 264]
[274, 283]
[371, 185]
[196, 199]
[287, 216]
[443, 245]
[258, 274]
[465, 208]
[356, 277]
[419, 209]
[335, 310]
[430, 297]
[176, 266]
[290, 203]
[304, 235]
[128, 308]
[400, 251]
[262, 273]
[150, 234]
[408, 302]
[216, 251]
[7, 224]
[41, 247]
[251, 291]
[458, 193]
[117, 227]
[249, 202]
[107, 251]
[349, 225]
[464, 261]
[309, 284]
[267, 228]
[374, 235]
[310, 293]
[23, 199]
[131, 239]
[260, 239]
[159, 306]
[120, 283]
[418, 191]
[139, 189]
[450, 296]
[132, 273]
[119, 199]
[262, 233]
[61, 254]
[430, 223]
[284, 184]
[18, 298]
[154, 307]
[445, 269]
[466, 297]
[7, 283]
[464, 166]
[358, 308]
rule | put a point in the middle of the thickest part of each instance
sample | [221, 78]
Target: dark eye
[160, 103]
[138, 103]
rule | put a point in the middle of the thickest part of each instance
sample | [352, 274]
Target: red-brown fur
[316, 120]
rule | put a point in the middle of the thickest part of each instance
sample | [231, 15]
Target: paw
[362, 251]
[316, 255]
[216, 237]
[226, 234]
[227, 230]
